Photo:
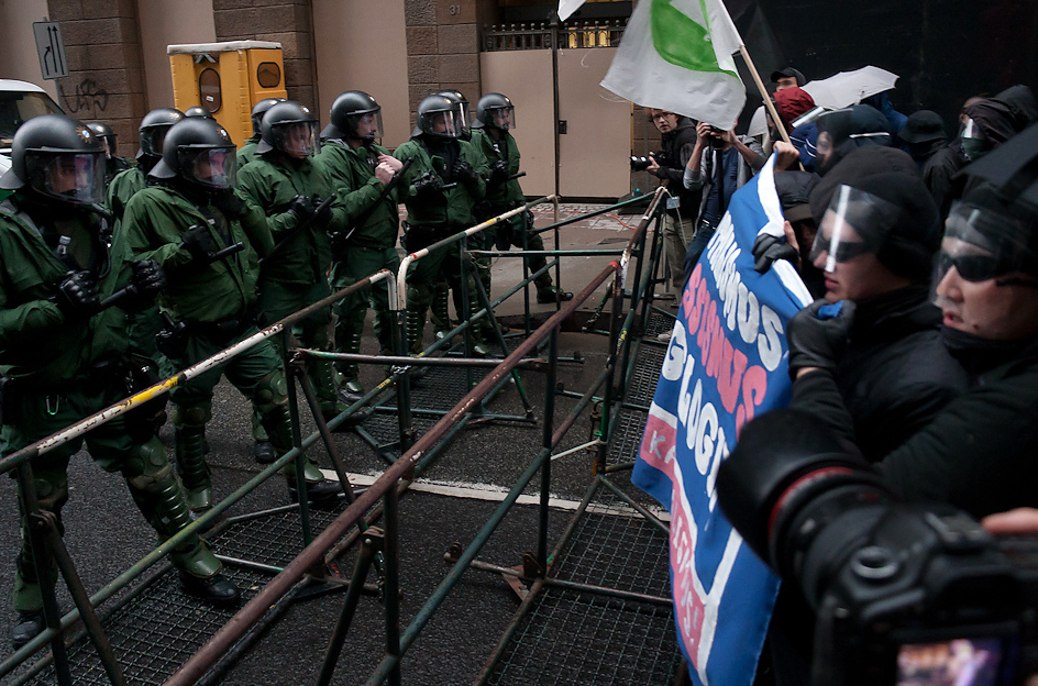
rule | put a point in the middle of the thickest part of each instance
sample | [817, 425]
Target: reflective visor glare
[75, 177]
[214, 167]
[503, 118]
[367, 126]
[297, 139]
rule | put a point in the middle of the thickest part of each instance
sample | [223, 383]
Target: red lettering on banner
[730, 379]
[688, 300]
[754, 388]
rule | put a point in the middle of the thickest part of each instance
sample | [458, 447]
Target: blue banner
[726, 363]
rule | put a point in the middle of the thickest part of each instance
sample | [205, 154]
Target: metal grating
[273, 539]
[641, 387]
[156, 632]
[573, 638]
[623, 552]
[627, 436]
[659, 323]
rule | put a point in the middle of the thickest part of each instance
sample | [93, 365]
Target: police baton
[453, 184]
[131, 290]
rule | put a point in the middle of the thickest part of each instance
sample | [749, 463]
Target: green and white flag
[676, 55]
[568, 7]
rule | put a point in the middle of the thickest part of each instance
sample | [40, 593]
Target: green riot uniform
[216, 303]
[433, 216]
[297, 275]
[63, 370]
[123, 187]
[370, 247]
[247, 152]
[507, 194]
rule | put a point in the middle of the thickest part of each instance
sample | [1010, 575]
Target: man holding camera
[721, 163]
[679, 141]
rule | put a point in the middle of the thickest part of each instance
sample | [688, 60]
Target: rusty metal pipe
[254, 610]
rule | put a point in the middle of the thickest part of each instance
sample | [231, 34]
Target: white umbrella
[850, 87]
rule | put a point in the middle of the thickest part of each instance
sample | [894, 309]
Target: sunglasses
[971, 267]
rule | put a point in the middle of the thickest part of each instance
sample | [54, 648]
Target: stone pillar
[442, 48]
[103, 50]
[288, 22]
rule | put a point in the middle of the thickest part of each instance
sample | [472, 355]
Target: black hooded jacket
[896, 373]
[677, 150]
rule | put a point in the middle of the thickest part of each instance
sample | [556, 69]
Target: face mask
[975, 148]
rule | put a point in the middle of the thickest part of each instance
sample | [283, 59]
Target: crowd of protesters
[920, 352]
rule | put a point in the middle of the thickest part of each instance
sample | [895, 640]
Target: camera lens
[639, 163]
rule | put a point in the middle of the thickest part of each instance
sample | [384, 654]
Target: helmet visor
[444, 123]
[76, 178]
[366, 126]
[856, 223]
[152, 139]
[983, 244]
[501, 118]
[212, 168]
[296, 139]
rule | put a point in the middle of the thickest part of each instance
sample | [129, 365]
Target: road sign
[51, 49]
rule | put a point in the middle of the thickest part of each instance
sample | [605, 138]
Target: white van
[20, 101]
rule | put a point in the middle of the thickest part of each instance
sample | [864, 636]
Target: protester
[787, 77]
[679, 223]
[924, 135]
[738, 158]
[843, 131]
[977, 453]
[792, 103]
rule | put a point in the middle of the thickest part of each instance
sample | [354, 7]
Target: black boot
[323, 494]
[216, 589]
[30, 624]
[552, 294]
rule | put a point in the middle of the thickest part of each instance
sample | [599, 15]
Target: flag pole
[764, 94]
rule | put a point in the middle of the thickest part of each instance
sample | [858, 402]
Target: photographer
[679, 225]
[720, 164]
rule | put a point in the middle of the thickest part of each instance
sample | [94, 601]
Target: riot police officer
[114, 164]
[182, 222]
[360, 170]
[435, 212]
[247, 152]
[289, 188]
[63, 355]
[152, 132]
[495, 117]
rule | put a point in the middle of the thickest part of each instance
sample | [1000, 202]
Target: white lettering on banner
[741, 310]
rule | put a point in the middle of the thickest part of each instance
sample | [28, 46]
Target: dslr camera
[903, 593]
[640, 163]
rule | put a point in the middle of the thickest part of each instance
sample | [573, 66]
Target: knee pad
[271, 392]
[195, 416]
[147, 465]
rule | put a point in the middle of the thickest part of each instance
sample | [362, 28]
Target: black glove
[463, 172]
[77, 296]
[499, 172]
[817, 342]
[301, 208]
[767, 249]
[322, 216]
[199, 242]
[147, 278]
[228, 202]
[503, 237]
[427, 184]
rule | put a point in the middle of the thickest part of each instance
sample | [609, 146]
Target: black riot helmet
[290, 128]
[153, 129]
[441, 117]
[349, 111]
[466, 111]
[105, 134]
[259, 109]
[199, 112]
[57, 157]
[496, 111]
[199, 152]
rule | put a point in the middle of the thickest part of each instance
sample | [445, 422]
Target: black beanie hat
[915, 234]
[867, 161]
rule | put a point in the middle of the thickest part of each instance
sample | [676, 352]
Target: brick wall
[442, 48]
[288, 22]
[106, 79]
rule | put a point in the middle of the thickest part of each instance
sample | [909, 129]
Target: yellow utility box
[227, 79]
